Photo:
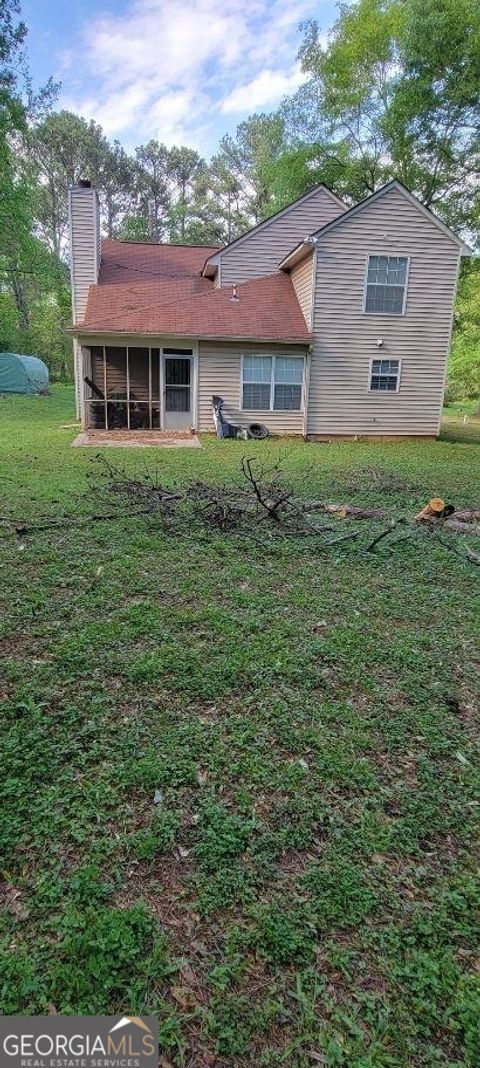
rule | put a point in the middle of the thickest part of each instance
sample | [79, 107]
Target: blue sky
[183, 72]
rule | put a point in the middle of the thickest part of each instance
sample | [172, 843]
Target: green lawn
[305, 892]
[461, 422]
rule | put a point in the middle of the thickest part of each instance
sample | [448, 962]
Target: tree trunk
[20, 301]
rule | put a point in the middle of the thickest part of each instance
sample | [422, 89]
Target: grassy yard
[305, 891]
[461, 422]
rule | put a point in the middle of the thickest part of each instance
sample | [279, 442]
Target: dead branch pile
[260, 506]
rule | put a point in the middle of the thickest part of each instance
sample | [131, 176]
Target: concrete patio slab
[136, 439]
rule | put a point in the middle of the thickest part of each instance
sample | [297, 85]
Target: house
[321, 321]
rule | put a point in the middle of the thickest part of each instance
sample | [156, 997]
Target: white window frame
[273, 358]
[404, 256]
[384, 392]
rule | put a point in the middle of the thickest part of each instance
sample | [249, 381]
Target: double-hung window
[386, 284]
[385, 376]
[272, 383]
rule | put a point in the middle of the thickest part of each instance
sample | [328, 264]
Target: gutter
[81, 330]
[298, 253]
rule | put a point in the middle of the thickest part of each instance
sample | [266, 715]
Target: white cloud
[266, 89]
[170, 70]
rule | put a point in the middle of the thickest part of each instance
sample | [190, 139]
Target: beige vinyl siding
[346, 338]
[260, 252]
[84, 246]
[302, 281]
[219, 372]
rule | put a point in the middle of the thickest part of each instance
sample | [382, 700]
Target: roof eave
[299, 253]
[210, 268]
[83, 330]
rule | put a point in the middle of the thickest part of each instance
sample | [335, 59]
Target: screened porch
[136, 388]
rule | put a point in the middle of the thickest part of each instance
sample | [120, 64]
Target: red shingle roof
[158, 289]
[130, 261]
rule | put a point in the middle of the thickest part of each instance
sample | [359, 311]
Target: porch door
[178, 392]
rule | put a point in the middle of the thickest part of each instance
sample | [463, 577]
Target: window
[257, 382]
[385, 376]
[272, 383]
[288, 383]
[386, 284]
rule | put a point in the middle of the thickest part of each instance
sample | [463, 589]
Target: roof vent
[235, 297]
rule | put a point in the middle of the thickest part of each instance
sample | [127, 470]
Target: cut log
[468, 515]
[461, 526]
[433, 510]
[344, 510]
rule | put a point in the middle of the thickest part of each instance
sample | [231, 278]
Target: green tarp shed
[22, 374]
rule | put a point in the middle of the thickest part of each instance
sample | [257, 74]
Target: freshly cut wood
[433, 510]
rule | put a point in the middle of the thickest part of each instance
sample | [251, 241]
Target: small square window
[385, 376]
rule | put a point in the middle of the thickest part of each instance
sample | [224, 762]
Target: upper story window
[386, 288]
[272, 383]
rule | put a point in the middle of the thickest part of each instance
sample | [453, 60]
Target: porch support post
[150, 414]
[105, 386]
[128, 388]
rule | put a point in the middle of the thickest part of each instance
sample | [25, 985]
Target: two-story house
[321, 321]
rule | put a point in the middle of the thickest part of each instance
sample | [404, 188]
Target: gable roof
[302, 249]
[266, 309]
[213, 259]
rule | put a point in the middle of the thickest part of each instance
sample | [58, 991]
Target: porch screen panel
[116, 363]
[155, 365]
[95, 392]
[139, 388]
[138, 366]
[177, 373]
[177, 383]
[116, 380]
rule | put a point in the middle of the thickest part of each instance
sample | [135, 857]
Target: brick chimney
[84, 226]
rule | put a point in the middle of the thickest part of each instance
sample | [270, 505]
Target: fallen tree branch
[247, 507]
[273, 502]
[74, 520]
[344, 510]
[384, 534]
[343, 537]
[467, 515]
[459, 526]
[465, 553]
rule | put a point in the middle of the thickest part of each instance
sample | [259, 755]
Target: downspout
[308, 363]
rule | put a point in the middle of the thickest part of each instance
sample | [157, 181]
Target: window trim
[396, 315]
[273, 356]
[383, 392]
